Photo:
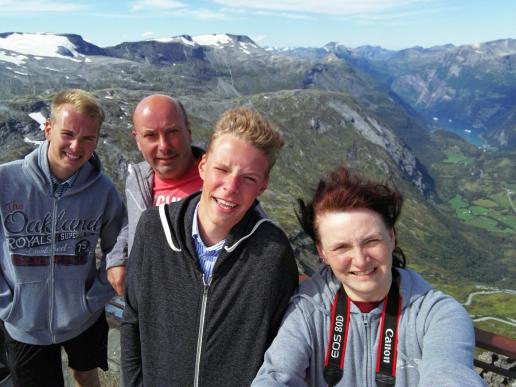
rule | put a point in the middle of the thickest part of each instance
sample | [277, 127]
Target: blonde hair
[252, 128]
[83, 101]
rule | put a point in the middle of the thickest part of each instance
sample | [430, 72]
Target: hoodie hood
[177, 225]
[36, 165]
[320, 289]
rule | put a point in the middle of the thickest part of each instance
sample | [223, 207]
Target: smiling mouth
[363, 273]
[225, 204]
[72, 157]
[166, 157]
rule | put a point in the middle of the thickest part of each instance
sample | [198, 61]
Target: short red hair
[340, 191]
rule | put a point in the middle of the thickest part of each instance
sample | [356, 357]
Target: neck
[377, 294]
[59, 176]
[211, 234]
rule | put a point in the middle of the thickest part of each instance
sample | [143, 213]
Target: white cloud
[10, 6]
[397, 16]
[152, 5]
[244, 13]
[203, 14]
[330, 7]
[147, 34]
[259, 38]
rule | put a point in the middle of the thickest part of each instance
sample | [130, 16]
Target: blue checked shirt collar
[60, 187]
[206, 256]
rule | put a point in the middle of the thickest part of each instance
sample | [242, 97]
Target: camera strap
[388, 340]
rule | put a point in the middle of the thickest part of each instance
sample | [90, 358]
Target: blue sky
[393, 24]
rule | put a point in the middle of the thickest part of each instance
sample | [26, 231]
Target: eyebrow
[368, 237]
[241, 172]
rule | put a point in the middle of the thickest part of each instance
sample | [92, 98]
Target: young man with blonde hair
[209, 277]
[55, 206]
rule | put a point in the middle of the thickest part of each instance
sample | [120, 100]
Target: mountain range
[391, 115]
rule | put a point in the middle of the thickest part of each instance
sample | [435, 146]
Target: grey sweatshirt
[436, 339]
[50, 287]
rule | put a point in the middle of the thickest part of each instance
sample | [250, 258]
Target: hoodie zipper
[365, 319]
[206, 287]
[51, 263]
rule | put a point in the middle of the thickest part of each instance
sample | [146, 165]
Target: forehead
[68, 117]
[159, 115]
[349, 225]
[231, 150]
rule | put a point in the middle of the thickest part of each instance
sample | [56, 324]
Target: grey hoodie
[50, 287]
[436, 339]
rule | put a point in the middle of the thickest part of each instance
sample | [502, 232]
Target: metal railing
[486, 340]
[498, 344]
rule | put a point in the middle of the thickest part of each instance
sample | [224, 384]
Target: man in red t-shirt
[169, 172]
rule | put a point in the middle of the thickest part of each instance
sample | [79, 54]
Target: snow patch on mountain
[46, 45]
[175, 39]
[11, 57]
[212, 40]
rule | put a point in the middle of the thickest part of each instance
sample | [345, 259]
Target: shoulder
[412, 286]
[318, 291]
[138, 170]
[271, 233]
[150, 216]
[427, 302]
[108, 186]
[272, 241]
[11, 166]
[107, 182]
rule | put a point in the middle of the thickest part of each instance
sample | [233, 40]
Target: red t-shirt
[366, 306]
[173, 190]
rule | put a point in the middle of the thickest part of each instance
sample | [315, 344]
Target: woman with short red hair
[364, 319]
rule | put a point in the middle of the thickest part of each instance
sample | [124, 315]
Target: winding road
[509, 321]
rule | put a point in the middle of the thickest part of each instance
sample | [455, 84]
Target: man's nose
[74, 145]
[163, 143]
[231, 183]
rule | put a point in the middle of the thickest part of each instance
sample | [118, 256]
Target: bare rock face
[492, 379]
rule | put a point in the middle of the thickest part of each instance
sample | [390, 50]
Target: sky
[392, 24]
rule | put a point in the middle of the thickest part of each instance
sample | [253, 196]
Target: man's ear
[264, 186]
[202, 166]
[48, 129]
[135, 135]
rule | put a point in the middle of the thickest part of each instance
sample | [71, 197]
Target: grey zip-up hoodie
[138, 193]
[436, 339]
[181, 330]
[50, 287]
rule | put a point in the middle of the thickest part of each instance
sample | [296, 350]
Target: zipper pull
[206, 283]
